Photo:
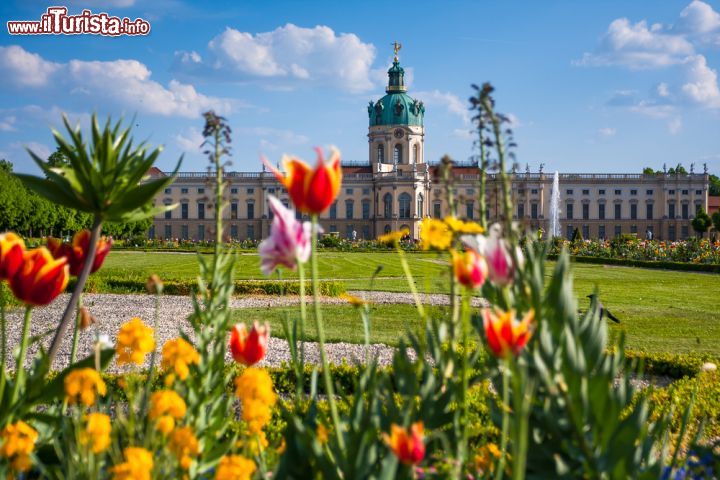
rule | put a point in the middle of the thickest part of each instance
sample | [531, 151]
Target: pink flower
[496, 250]
[289, 240]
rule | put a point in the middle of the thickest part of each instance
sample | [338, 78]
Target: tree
[701, 223]
[716, 220]
[6, 166]
[58, 159]
[714, 186]
[648, 171]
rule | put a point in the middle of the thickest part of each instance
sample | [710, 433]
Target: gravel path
[112, 310]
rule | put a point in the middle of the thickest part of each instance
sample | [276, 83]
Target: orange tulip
[40, 278]
[12, 248]
[249, 348]
[408, 446]
[504, 333]
[312, 191]
[470, 268]
[76, 252]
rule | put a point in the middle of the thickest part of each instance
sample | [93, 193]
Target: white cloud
[607, 132]
[7, 124]
[700, 20]
[446, 100]
[638, 46]
[652, 109]
[286, 137]
[288, 56]
[190, 140]
[39, 149]
[662, 90]
[122, 83]
[702, 83]
[675, 125]
[22, 68]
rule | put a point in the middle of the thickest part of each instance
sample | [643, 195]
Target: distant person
[648, 234]
[354, 235]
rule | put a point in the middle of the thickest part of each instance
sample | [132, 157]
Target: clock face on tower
[398, 133]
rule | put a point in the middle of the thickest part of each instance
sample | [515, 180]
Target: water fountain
[555, 207]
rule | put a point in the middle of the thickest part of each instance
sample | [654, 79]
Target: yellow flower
[138, 465]
[460, 226]
[393, 237]
[135, 340]
[166, 406]
[18, 442]
[178, 354]
[82, 384]
[487, 457]
[322, 433]
[435, 234]
[235, 467]
[97, 432]
[354, 301]
[255, 390]
[184, 446]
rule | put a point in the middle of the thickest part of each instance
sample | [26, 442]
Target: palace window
[437, 210]
[521, 210]
[233, 210]
[201, 190]
[586, 192]
[387, 205]
[569, 211]
[365, 210]
[251, 232]
[184, 232]
[469, 210]
[184, 190]
[534, 211]
[168, 231]
[601, 232]
[168, 190]
[168, 214]
[234, 190]
[397, 154]
[586, 212]
[633, 192]
[349, 209]
[184, 210]
[201, 211]
[366, 232]
[671, 210]
[569, 191]
[618, 209]
[649, 211]
[534, 191]
[250, 210]
[201, 232]
[405, 205]
[649, 192]
[685, 211]
[348, 191]
[698, 192]
[586, 231]
[233, 231]
[618, 192]
[601, 191]
[333, 210]
[250, 190]
[601, 211]
[380, 153]
[366, 191]
[633, 211]
[618, 230]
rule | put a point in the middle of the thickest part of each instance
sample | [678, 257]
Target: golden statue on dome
[396, 48]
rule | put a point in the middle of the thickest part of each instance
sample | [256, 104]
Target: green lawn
[661, 310]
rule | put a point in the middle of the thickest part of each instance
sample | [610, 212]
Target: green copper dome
[397, 107]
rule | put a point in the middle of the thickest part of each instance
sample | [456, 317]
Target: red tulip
[76, 252]
[40, 278]
[470, 268]
[249, 348]
[12, 248]
[504, 333]
[408, 446]
[312, 191]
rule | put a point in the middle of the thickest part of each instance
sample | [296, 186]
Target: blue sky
[608, 86]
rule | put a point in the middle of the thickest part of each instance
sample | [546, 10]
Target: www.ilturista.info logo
[56, 21]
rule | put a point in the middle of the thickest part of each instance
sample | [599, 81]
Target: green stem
[20, 364]
[465, 380]
[483, 178]
[504, 181]
[76, 332]
[411, 282]
[303, 322]
[218, 193]
[321, 336]
[505, 420]
[521, 399]
[79, 287]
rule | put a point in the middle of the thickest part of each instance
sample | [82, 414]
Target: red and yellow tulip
[311, 190]
[249, 348]
[470, 268]
[12, 249]
[40, 278]
[408, 446]
[504, 333]
[77, 251]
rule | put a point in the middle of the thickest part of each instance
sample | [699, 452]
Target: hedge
[626, 262]
[113, 284]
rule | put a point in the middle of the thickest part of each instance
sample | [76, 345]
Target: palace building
[396, 188]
